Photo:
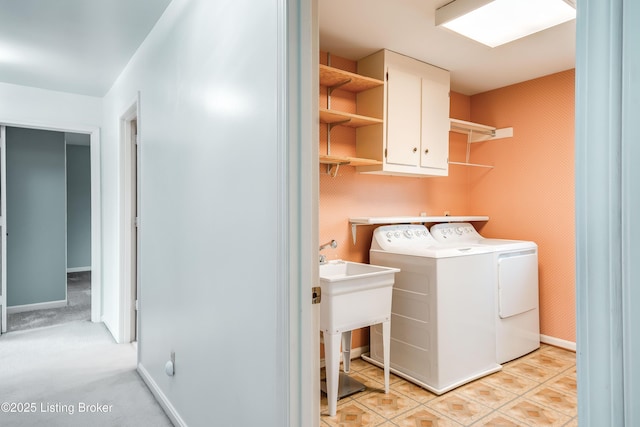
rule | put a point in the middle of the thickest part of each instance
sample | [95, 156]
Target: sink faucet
[333, 244]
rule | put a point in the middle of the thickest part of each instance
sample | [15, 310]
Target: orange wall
[533, 176]
[529, 195]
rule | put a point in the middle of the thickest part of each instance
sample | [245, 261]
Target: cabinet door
[403, 117]
[434, 149]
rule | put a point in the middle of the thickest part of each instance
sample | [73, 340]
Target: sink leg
[346, 351]
[386, 350]
[332, 362]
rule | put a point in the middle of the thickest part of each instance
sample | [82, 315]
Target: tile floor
[538, 389]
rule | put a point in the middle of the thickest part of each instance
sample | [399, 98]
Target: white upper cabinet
[414, 136]
[403, 118]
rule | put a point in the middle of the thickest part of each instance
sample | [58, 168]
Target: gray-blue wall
[36, 216]
[78, 206]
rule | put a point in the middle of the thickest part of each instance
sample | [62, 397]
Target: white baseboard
[161, 398]
[107, 323]
[37, 306]
[78, 269]
[355, 353]
[557, 342]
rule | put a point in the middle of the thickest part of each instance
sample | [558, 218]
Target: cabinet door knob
[426, 151]
[415, 149]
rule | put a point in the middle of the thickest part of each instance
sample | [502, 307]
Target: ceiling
[357, 28]
[81, 46]
[77, 46]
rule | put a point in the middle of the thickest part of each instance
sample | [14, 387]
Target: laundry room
[528, 195]
[523, 183]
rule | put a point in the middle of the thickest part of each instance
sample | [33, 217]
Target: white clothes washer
[516, 288]
[442, 312]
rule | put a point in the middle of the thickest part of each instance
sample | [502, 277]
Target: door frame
[96, 208]
[3, 224]
[299, 82]
[129, 273]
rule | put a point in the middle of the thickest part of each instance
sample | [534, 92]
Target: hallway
[73, 374]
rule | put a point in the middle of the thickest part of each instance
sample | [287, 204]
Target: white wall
[208, 80]
[19, 104]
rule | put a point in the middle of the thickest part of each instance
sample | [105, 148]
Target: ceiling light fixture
[496, 22]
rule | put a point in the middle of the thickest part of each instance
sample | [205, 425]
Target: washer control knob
[397, 234]
[389, 234]
[408, 234]
[459, 230]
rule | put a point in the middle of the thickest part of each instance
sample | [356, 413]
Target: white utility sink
[334, 271]
[354, 295]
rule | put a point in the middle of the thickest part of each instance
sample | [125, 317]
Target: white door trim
[96, 202]
[301, 83]
[3, 220]
[127, 222]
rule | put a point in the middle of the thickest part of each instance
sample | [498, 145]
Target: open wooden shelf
[478, 132]
[462, 126]
[345, 160]
[334, 77]
[346, 119]
[415, 219]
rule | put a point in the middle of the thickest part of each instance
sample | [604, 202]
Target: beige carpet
[73, 375]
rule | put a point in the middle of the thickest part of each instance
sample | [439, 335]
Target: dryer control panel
[455, 232]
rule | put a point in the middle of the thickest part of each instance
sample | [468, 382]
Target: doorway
[129, 219]
[46, 202]
[55, 296]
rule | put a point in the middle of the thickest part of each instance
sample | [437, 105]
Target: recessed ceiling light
[497, 22]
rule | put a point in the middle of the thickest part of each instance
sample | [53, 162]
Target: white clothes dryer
[515, 263]
[442, 312]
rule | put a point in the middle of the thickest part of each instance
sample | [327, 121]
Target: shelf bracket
[341, 122]
[332, 169]
[488, 133]
[330, 126]
[470, 140]
[334, 87]
[354, 228]
[337, 86]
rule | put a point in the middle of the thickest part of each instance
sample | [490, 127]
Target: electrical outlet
[170, 366]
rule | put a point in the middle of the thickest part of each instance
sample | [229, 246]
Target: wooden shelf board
[477, 132]
[462, 126]
[330, 77]
[354, 120]
[345, 160]
[415, 219]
